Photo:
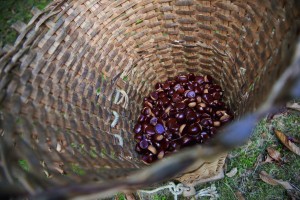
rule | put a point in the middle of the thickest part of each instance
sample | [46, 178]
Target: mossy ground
[249, 162]
[247, 159]
[12, 11]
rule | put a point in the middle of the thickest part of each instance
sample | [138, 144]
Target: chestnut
[179, 88]
[181, 117]
[142, 118]
[147, 159]
[190, 94]
[194, 129]
[181, 128]
[176, 97]
[174, 145]
[192, 104]
[159, 129]
[157, 85]
[187, 140]
[170, 93]
[161, 154]
[153, 121]
[166, 86]
[181, 112]
[154, 95]
[158, 137]
[162, 95]
[180, 106]
[137, 128]
[207, 97]
[204, 135]
[199, 79]
[146, 111]
[150, 130]
[138, 137]
[182, 78]
[152, 149]
[217, 123]
[191, 117]
[143, 144]
[225, 118]
[208, 79]
[139, 149]
[191, 77]
[206, 122]
[172, 125]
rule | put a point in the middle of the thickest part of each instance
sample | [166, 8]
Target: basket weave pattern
[59, 81]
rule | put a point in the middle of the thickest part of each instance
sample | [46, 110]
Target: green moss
[77, 169]
[125, 78]
[81, 149]
[73, 145]
[24, 165]
[139, 21]
[103, 152]
[246, 161]
[159, 197]
[121, 196]
[251, 87]
[103, 77]
[13, 11]
[19, 121]
[98, 91]
[93, 152]
[113, 154]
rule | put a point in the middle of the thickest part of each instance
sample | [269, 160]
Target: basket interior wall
[59, 83]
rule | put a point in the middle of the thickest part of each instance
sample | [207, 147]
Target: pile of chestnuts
[181, 112]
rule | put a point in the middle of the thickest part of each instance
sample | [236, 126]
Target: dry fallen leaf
[286, 185]
[274, 154]
[268, 179]
[239, 195]
[232, 172]
[294, 106]
[288, 143]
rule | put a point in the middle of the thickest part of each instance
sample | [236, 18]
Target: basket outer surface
[59, 80]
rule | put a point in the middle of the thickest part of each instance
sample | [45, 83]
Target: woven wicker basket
[79, 66]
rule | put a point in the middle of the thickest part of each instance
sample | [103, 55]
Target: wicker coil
[72, 84]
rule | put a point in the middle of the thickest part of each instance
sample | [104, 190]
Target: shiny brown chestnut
[172, 125]
[182, 78]
[137, 128]
[194, 129]
[154, 95]
[181, 112]
[191, 117]
[179, 89]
